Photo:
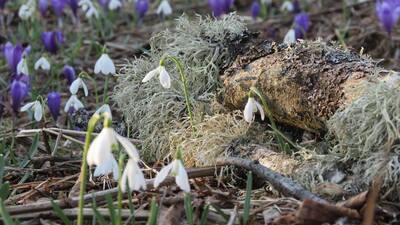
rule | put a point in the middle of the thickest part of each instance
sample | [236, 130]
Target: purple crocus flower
[69, 73]
[54, 104]
[141, 7]
[255, 9]
[19, 90]
[58, 7]
[103, 3]
[43, 5]
[73, 4]
[226, 5]
[2, 4]
[51, 40]
[13, 55]
[216, 7]
[388, 13]
[301, 24]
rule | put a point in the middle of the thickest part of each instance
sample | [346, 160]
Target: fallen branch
[285, 185]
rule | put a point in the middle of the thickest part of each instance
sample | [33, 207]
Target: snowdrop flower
[104, 65]
[290, 37]
[22, 67]
[104, 109]
[43, 64]
[74, 103]
[176, 169]
[164, 77]
[287, 6]
[164, 8]
[114, 4]
[36, 107]
[76, 85]
[134, 176]
[89, 8]
[251, 107]
[27, 10]
[100, 152]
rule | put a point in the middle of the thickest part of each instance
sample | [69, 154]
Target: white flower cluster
[27, 10]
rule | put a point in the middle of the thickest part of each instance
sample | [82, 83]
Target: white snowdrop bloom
[290, 37]
[134, 176]
[251, 107]
[104, 65]
[164, 77]
[104, 109]
[89, 8]
[36, 107]
[22, 67]
[114, 4]
[176, 169]
[287, 6]
[43, 64]
[76, 84]
[164, 8]
[27, 10]
[73, 102]
[100, 152]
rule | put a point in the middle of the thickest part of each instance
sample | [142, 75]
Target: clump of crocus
[36, 107]
[388, 12]
[13, 54]
[54, 104]
[255, 9]
[19, 90]
[141, 7]
[164, 9]
[52, 40]
[69, 74]
[301, 25]
[177, 170]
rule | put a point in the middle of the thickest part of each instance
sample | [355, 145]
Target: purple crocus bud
[54, 104]
[103, 3]
[73, 4]
[69, 73]
[227, 4]
[216, 7]
[51, 40]
[2, 4]
[58, 7]
[296, 6]
[388, 14]
[19, 90]
[43, 5]
[255, 10]
[141, 7]
[13, 55]
[301, 25]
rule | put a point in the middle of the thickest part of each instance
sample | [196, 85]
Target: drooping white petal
[164, 8]
[151, 74]
[134, 176]
[290, 37]
[100, 149]
[85, 89]
[104, 65]
[248, 111]
[38, 109]
[165, 79]
[287, 6]
[162, 174]
[130, 149]
[22, 67]
[114, 4]
[74, 102]
[42, 63]
[107, 167]
[181, 178]
[73, 89]
[28, 106]
[104, 109]
[261, 109]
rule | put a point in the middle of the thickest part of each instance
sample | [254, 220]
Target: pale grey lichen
[153, 112]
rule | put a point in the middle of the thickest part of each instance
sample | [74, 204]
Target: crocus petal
[130, 149]
[248, 111]
[165, 79]
[54, 104]
[181, 178]
[261, 109]
[38, 109]
[151, 74]
[162, 175]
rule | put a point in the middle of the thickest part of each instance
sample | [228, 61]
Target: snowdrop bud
[251, 107]
[104, 65]
[42, 63]
[19, 90]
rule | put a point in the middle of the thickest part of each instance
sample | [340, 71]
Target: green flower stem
[105, 97]
[282, 144]
[84, 169]
[183, 78]
[119, 196]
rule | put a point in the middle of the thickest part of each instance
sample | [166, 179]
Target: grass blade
[188, 209]
[247, 203]
[204, 215]
[59, 212]
[111, 209]
[153, 213]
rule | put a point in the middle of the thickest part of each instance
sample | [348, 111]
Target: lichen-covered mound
[368, 134]
[153, 112]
